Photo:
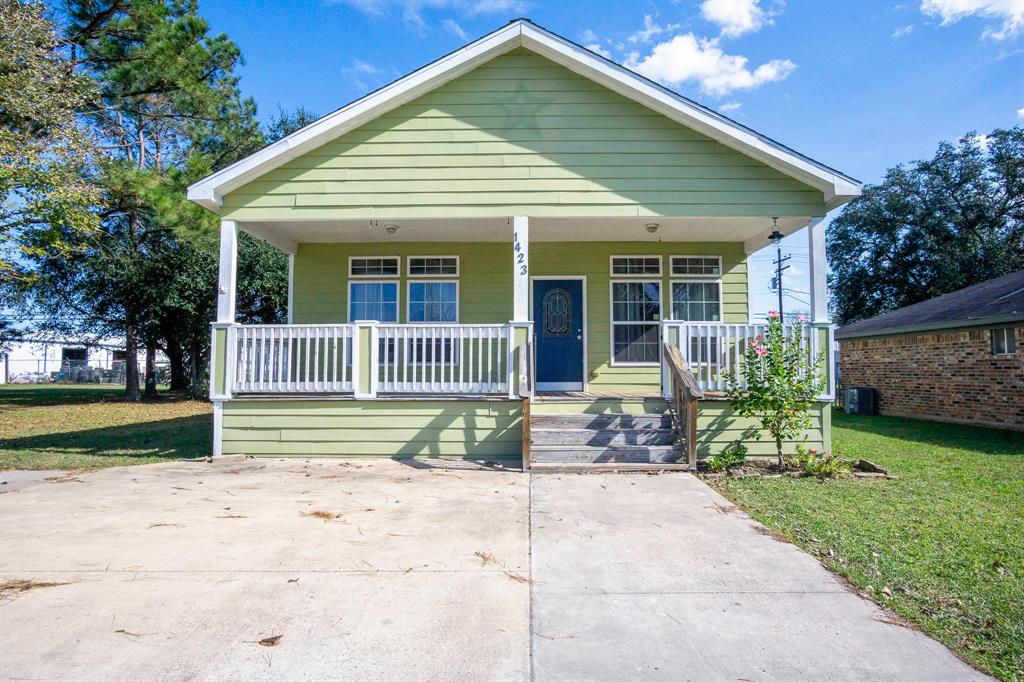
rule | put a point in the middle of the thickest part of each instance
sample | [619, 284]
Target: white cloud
[413, 11]
[360, 73]
[596, 47]
[453, 27]
[588, 36]
[650, 30]
[1008, 15]
[730, 107]
[982, 141]
[516, 7]
[902, 31]
[686, 58]
[1020, 113]
[735, 17]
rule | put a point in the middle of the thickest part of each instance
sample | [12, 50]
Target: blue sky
[860, 86]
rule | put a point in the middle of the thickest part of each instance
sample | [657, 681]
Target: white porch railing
[465, 359]
[429, 359]
[713, 351]
[291, 358]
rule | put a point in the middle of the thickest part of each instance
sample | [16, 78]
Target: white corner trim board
[836, 187]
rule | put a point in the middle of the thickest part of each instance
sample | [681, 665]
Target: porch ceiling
[753, 232]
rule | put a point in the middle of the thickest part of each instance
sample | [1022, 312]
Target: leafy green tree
[776, 384]
[168, 111]
[45, 151]
[931, 227]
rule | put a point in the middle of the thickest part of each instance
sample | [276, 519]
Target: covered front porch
[458, 315]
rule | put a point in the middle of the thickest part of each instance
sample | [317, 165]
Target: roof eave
[930, 326]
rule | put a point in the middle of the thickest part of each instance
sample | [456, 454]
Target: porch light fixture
[651, 227]
[775, 237]
[391, 229]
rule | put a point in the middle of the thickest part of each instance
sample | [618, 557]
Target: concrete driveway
[392, 571]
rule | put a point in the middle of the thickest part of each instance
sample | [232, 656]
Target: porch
[438, 322]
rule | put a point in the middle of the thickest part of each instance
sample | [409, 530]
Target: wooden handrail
[685, 393]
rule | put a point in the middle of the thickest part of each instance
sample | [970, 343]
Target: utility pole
[776, 238]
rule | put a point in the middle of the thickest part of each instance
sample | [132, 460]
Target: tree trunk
[195, 365]
[131, 360]
[176, 356]
[150, 370]
[778, 449]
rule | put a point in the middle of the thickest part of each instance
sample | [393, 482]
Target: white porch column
[228, 271]
[818, 263]
[222, 337]
[291, 287]
[520, 269]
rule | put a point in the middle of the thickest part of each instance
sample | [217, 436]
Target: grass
[946, 540]
[87, 426]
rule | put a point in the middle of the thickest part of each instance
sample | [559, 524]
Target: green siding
[218, 362]
[521, 135]
[485, 287]
[718, 428]
[382, 428]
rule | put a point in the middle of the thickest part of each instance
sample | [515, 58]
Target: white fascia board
[836, 188]
[209, 191]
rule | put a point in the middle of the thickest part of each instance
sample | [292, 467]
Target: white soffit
[836, 187]
[753, 232]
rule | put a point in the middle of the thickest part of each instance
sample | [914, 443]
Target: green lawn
[946, 539]
[85, 426]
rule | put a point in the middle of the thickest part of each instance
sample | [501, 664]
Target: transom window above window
[636, 265]
[1003, 341]
[697, 266]
[374, 266]
[431, 266]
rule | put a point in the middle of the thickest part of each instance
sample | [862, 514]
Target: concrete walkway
[419, 571]
[659, 578]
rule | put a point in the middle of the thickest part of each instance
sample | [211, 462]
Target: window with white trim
[433, 301]
[373, 266]
[373, 301]
[697, 301]
[433, 266]
[636, 265]
[636, 317]
[1003, 341]
[697, 266]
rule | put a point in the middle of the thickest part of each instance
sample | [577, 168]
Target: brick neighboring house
[955, 358]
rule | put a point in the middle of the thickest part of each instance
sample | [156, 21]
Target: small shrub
[733, 456]
[817, 463]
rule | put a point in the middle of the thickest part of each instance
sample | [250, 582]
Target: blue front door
[558, 334]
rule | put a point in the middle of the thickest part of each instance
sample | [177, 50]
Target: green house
[520, 248]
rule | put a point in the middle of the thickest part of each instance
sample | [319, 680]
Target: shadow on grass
[178, 438]
[45, 395]
[976, 438]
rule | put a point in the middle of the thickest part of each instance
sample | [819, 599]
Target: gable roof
[993, 302]
[836, 187]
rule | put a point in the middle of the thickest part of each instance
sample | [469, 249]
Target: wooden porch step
[585, 454]
[606, 467]
[601, 421]
[601, 437]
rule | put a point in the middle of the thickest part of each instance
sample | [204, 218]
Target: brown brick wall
[948, 375]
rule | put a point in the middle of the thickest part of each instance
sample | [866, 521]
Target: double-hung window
[697, 297]
[373, 289]
[434, 299]
[635, 309]
[1003, 341]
